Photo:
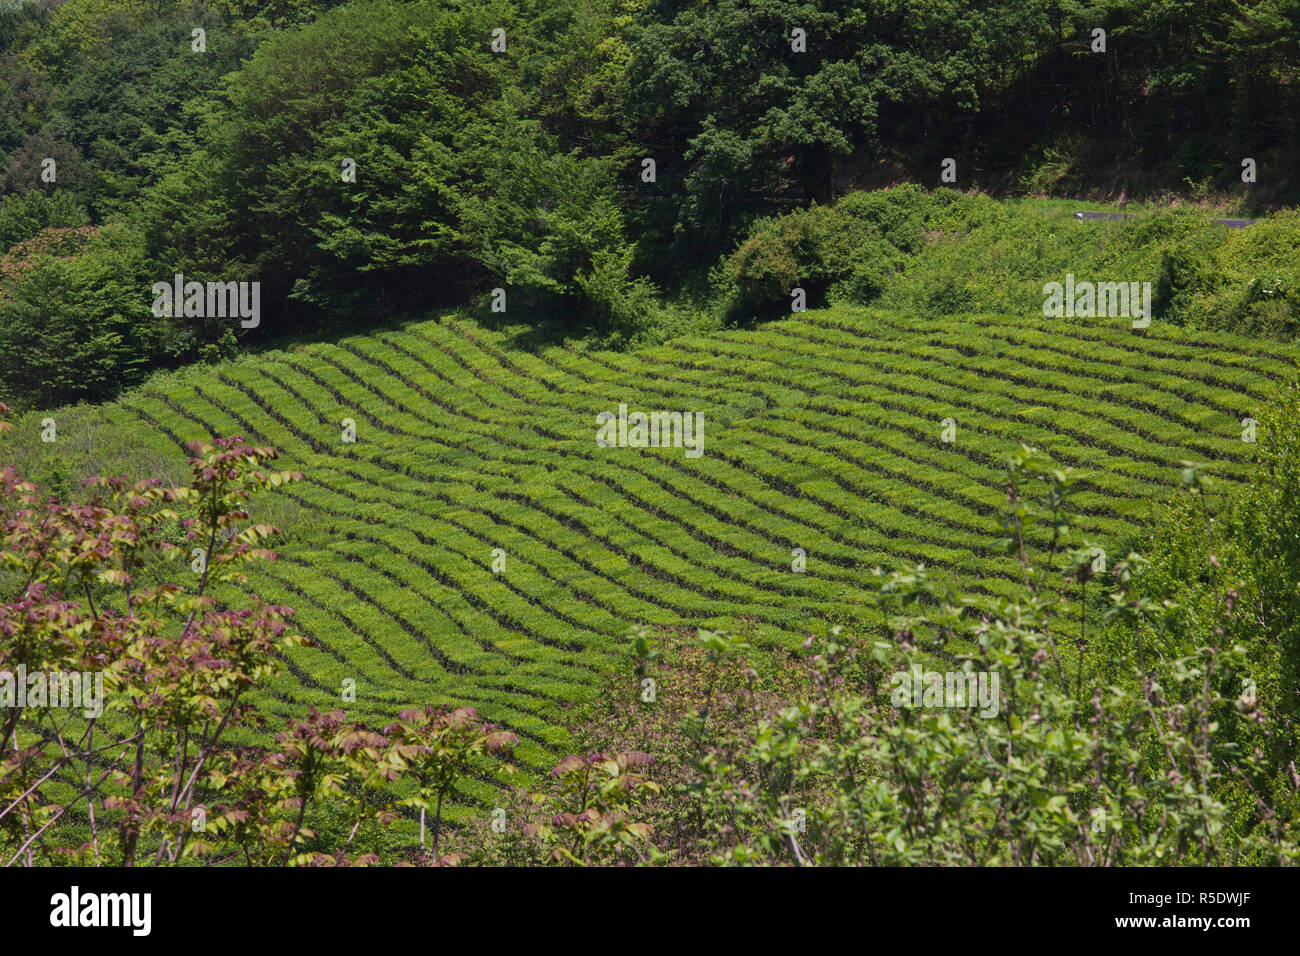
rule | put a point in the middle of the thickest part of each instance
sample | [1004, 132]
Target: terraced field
[822, 432]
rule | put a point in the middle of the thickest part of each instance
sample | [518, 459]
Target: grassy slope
[822, 433]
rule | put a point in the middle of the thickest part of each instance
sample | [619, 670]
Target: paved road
[1232, 223]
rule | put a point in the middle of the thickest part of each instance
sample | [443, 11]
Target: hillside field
[823, 432]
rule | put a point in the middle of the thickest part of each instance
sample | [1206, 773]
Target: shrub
[848, 251]
[946, 253]
[75, 321]
[154, 767]
[24, 215]
[779, 254]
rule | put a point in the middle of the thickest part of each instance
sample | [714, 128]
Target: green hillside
[337, 343]
[822, 432]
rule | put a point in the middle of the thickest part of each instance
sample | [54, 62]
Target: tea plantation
[474, 544]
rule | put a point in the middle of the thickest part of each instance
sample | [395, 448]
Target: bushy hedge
[946, 253]
[848, 251]
[1248, 282]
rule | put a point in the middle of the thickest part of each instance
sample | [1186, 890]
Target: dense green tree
[21, 21]
[740, 122]
[78, 326]
[272, 13]
[23, 215]
[131, 109]
[746, 104]
[382, 155]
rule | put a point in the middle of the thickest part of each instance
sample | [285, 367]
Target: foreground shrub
[150, 761]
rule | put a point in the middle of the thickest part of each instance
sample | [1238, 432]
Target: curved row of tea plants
[825, 433]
